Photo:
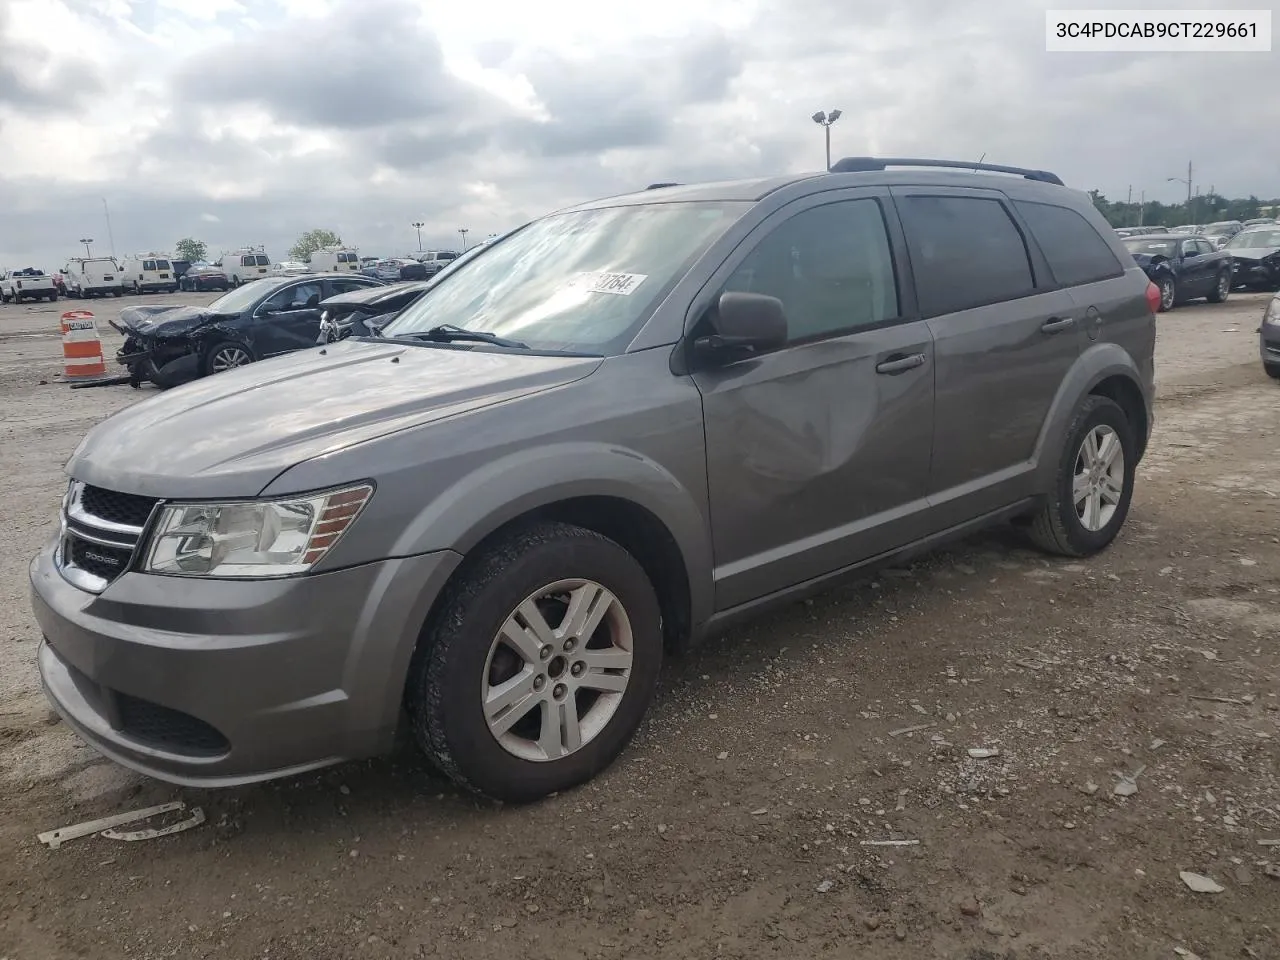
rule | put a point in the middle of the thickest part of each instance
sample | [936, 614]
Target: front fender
[500, 491]
[1097, 363]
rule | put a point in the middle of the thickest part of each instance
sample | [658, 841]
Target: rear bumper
[222, 683]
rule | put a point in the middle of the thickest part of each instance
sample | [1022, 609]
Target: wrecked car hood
[231, 434]
[1252, 253]
[162, 321]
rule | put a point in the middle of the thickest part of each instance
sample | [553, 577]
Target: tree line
[188, 248]
[1205, 208]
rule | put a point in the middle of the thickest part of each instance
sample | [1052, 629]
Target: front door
[1005, 335]
[818, 453]
[1195, 276]
[289, 319]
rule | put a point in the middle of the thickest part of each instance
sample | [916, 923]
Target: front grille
[168, 728]
[128, 509]
[101, 530]
[101, 561]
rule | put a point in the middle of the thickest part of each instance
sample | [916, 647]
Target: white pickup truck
[27, 284]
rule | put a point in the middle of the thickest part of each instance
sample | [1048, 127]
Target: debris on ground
[1128, 782]
[55, 838]
[984, 753]
[916, 729]
[1198, 883]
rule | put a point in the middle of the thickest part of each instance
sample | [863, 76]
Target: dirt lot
[741, 822]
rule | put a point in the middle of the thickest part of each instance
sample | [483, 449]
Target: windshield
[579, 281]
[242, 298]
[1151, 248]
[1255, 238]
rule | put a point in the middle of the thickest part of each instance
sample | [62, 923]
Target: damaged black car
[169, 346]
[1255, 255]
[362, 313]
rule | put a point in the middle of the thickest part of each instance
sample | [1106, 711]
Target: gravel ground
[1132, 698]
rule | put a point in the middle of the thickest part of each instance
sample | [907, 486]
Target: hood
[231, 434]
[1253, 253]
[162, 321]
[370, 294]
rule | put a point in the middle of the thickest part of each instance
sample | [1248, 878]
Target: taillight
[1153, 298]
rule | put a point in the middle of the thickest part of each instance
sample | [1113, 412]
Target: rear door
[289, 319]
[1005, 334]
[818, 453]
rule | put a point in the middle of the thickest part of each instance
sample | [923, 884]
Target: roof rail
[661, 186]
[863, 164]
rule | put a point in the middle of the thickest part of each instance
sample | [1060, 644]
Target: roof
[1164, 236]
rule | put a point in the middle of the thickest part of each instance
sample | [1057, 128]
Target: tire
[1273, 370]
[221, 352]
[117, 293]
[1168, 293]
[1058, 527]
[53, 297]
[460, 650]
[1221, 288]
[235, 282]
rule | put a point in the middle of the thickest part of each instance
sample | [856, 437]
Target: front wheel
[539, 666]
[1221, 287]
[1094, 483]
[1273, 370]
[226, 356]
[1168, 293]
[53, 297]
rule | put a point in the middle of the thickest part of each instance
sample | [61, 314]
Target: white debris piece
[1200, 884]
[984, 753]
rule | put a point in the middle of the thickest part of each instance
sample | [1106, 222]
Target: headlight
[1272, 315]
[252, 538]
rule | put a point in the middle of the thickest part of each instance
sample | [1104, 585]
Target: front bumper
[1269, 344]
[220, 683]
[1255, 272]
[165, 364]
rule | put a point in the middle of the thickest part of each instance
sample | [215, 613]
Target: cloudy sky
[238, 121]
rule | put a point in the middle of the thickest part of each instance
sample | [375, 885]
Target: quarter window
[830, 266]
[965, 252]
[1076, 253]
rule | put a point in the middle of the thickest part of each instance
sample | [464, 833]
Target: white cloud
[226, 119]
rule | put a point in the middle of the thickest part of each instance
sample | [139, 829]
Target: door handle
[1058, 324]
[901, 364]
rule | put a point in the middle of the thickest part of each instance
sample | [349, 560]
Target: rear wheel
[53, 297]
[1090, 497]
[1221, 287]
[226, 355]
[1168, 293]
[1273, 370]
[539, 666]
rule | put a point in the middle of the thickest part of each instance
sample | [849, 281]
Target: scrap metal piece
[150, 833]
[55, 838]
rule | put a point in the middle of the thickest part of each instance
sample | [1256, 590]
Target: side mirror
[746, 324]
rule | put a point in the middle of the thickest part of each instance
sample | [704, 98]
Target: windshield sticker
[622, 284]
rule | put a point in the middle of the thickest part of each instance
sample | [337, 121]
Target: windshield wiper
[447, 333]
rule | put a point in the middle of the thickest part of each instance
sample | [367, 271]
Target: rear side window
[1075, 251]
[246, 261]
[148, 264]
[965, 252]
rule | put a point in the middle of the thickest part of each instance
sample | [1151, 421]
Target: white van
[335, 260]
[148, 273]
[93, 277]
[244, 265]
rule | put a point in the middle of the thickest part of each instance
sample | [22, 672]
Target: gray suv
[616, 429]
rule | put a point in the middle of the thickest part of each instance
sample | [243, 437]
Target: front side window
[581, 281]
[261, 260]
[1190, 248]
[162, 264]
[246, 261]
[1076, 253]
[830, 266]
[965, 252]
[148, 264]
[298, 297]
[1204, 246]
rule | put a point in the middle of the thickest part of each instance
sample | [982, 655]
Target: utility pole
[111, 237]
[1142, 208]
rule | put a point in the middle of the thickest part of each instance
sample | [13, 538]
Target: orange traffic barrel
[81, 346]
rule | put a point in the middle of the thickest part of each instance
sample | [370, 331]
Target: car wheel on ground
[53, 297]
[539, 665]
[1168, 293]
[226, 355]
[1273, 370]
[1221, 288]
[1094, 482]
[117, 293]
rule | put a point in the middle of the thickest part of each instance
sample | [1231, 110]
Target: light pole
[463, 231]
[86, 241]
[825, 120]
[418, 225]
[1188, 183]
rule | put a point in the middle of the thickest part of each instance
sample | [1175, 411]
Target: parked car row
[1189, 267]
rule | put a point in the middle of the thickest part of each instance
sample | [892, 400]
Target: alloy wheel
[557, 670]
[229, 357]
[1098, 483]
[1167, 293]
